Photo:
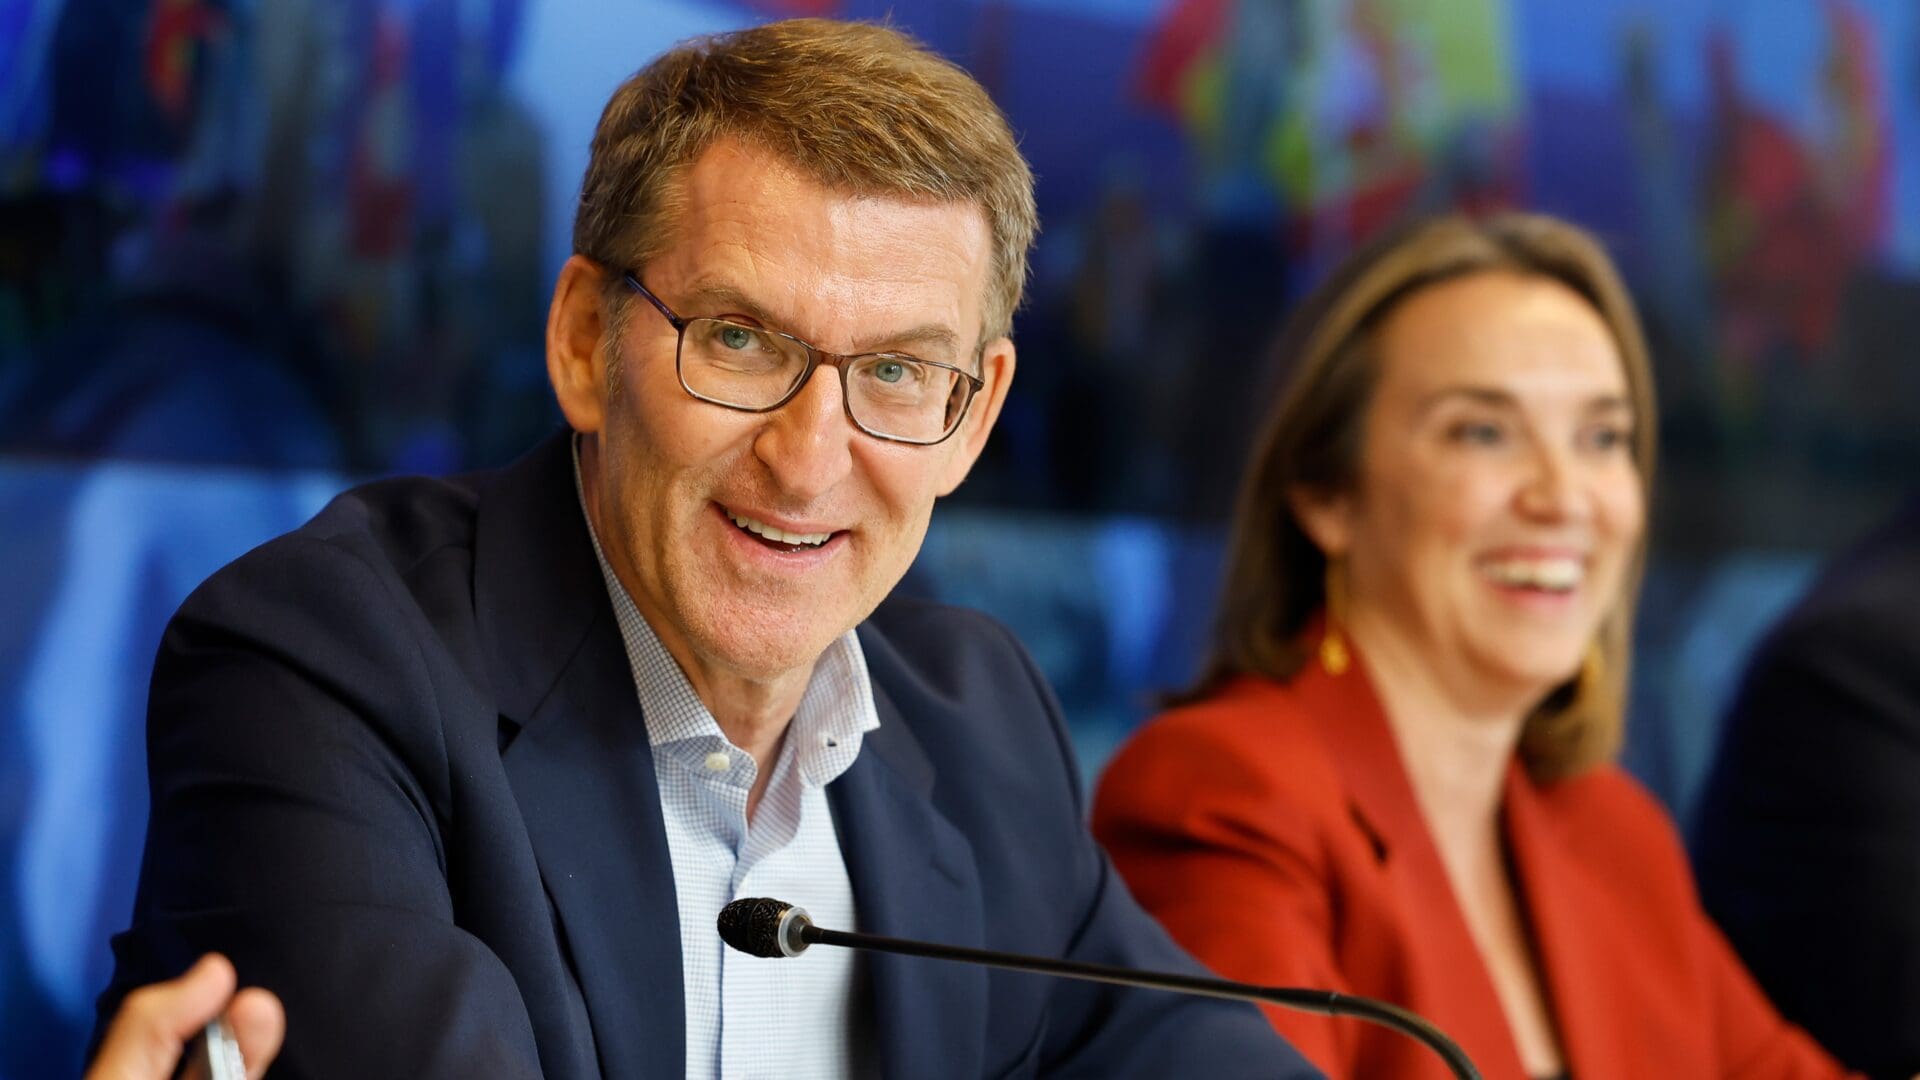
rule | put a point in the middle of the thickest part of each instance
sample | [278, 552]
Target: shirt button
[718, 761]
[829, 741]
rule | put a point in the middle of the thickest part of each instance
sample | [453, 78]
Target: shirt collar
[824, 736]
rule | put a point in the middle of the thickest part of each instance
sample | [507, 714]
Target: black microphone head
[762, 926]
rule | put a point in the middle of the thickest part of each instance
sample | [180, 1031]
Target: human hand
[156, 1022]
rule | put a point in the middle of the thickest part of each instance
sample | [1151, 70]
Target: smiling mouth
[776, 538]
[1557, 576]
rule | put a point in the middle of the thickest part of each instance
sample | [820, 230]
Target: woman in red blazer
[1394, 779]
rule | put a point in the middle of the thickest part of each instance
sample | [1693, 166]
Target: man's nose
[807, 444]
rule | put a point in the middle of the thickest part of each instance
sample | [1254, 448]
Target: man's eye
[737, 337]
[890, 371]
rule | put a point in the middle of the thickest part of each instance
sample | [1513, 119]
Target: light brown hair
[1313, 439]
[860, 108]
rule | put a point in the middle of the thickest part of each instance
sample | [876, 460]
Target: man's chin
[763, 632]
[766, 646]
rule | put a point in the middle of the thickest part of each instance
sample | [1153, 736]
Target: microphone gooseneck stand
[764, 927]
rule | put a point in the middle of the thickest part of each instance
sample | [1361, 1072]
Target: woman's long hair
[1312, 441]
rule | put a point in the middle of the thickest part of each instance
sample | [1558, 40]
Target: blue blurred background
[254, 250]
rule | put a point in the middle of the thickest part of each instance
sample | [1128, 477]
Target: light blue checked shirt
[750, 1018]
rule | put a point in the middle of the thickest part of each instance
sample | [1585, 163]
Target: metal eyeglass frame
[815, 358]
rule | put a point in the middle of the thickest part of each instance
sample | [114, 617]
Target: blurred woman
[1393, 778]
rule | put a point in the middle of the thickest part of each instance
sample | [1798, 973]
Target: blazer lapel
[1353, 726]
[582, 772]
[1580, 954]
[579, 761]
[913, 876]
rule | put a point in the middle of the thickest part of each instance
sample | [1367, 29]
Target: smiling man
[752, 536]
[464, 769]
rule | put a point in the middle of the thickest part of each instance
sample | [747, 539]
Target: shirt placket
[747, 992]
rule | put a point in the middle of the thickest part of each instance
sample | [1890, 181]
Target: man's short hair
[861, 108]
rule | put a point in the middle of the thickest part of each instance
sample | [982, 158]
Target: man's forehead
[761, 238]
[734, 184]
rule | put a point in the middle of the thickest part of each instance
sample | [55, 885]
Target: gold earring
[1333, 647]
[1593, 669]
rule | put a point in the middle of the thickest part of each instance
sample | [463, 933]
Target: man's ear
[1326, 518]
[576, 329]
[996, 371]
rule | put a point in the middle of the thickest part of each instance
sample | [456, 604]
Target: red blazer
[1274, 832]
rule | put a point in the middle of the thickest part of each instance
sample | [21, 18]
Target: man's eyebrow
[930, 337]
[717, 298]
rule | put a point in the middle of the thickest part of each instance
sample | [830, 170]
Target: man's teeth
[779, 536]
[1555, 575]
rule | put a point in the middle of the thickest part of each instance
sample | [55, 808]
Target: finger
[259, 1023]
[155, 1022]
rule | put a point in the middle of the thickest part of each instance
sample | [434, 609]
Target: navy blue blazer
[399, 774]
[1807, 840]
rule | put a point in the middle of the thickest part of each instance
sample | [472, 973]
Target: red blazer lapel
[1450, 979]
[1558, 898]
[1609, 913]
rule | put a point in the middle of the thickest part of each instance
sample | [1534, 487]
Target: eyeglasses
[888, 395]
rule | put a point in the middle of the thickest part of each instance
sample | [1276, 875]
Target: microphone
[761, 926]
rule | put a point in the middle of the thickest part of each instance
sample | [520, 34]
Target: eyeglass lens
[887, 393]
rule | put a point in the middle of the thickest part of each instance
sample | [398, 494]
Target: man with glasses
[463, 770]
